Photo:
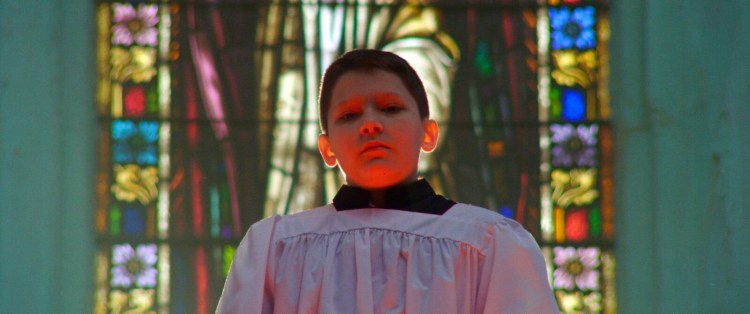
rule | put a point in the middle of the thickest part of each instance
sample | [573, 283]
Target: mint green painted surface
[681, 102]
[47, 156]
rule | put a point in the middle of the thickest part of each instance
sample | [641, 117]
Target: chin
[376, 185]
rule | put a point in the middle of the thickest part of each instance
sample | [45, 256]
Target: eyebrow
[356, 100]
[347, 103]
[388, 97]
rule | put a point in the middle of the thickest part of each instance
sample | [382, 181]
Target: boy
[388, 243]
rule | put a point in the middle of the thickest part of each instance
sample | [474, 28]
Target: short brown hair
[369, 60]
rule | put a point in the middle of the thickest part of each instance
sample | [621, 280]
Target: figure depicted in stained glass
[295, 41]
[388, 242]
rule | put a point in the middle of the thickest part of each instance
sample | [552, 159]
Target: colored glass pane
[573, 105]
[135, 101]
[134, 220]
[135, 24]
[135, 184]
[595, 220]
[572, 27]
[576, 225]
[574, 145]
[574, 68]
[135, 142]
[209, 123]
[115, 217]
[136, 64]
[134, 266]
[576, 268]
[133, 301]
[574, 187]
[555, 100]
[228, 255]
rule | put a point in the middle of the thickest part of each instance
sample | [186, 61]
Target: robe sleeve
[249, 285]
[513, 275]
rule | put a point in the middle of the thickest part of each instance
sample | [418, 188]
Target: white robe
[468, 260]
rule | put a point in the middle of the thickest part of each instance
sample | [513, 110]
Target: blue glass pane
[574, 105]
[507, 212]
[134, 220]
[122, 129]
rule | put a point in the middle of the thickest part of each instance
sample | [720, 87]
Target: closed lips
[373, 145]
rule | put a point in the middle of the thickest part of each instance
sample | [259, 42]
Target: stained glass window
[208, 123]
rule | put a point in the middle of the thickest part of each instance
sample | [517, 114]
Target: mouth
[373, 146]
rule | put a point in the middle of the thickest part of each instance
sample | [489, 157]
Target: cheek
[341, 147]
[412, 148]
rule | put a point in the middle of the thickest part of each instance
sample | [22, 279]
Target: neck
[416, 197]
[378, 195]
[377, 198]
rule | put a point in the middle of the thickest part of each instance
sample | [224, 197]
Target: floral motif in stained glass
[135, 25]
[574, 145]
[572, 27]
[134, 266]
[135, 142]
[576, 268]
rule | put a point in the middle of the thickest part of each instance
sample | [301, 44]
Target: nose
[370, 126]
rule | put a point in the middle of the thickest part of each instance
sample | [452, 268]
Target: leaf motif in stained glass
[573, 68]
[133, 301]
[572, 27]
[574, 187]
[133, 183]
[579, 302]
[136, 64]
[569, 302]
[593, 302]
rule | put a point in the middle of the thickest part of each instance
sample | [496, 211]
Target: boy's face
[374, 130]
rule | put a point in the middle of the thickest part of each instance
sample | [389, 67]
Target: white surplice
[468, 260]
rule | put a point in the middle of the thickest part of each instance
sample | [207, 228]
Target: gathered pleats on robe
[469, 260]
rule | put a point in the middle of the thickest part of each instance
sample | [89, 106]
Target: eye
[346, 116]
[392, 108]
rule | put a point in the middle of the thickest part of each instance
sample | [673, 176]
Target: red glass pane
[135, 101]
[576, 225]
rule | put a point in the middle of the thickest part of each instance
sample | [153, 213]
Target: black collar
[417, 197]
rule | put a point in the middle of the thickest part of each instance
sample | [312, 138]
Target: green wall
[681, 101]
[47, 156]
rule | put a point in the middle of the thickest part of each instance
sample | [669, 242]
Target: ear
[430, 140]
[324, 146]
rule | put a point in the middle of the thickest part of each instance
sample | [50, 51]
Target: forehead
[368, 83]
